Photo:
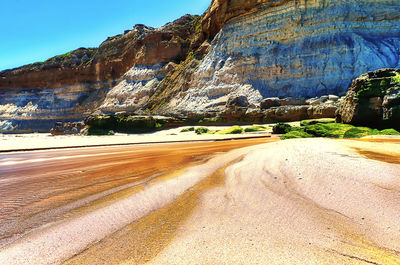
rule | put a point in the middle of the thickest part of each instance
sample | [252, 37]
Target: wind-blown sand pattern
[276, 203]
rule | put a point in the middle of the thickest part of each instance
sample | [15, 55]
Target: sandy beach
[43, 141]
[306, 201]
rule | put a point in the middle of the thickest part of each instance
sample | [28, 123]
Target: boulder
[290, 101]
[237, 101]
[373, 100]
[269, 103]
[333, 98]
[324, 99]
[322, 111]
[121, 123]
[67, 128]
[313, 101]
[286, 113]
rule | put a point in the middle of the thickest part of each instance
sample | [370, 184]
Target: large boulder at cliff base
[269, 103]
[373, 100]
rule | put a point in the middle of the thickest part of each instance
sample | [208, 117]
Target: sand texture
[305, 201]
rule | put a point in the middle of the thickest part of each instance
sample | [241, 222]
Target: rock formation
[293, 48]
[192, 67]
[72, 86]
[373, 99]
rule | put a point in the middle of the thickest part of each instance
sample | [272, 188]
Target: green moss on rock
[281, 128]
[255, 128]
[332, 130]
[311, 122]
[295, 134]
[389, 132]
[232, 130]
[202, 130]
[99, 132]
[123, 124]
[373, 88]
[190, 129]
[396, 78]
[358, 132]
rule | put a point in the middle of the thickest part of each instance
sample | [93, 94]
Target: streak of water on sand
[10, 162]
[56, 242]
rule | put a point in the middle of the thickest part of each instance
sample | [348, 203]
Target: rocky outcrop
[267, 51]
[140, 46]
[68, 69]
[373, 100]
[125, 122]
[283, 110]
[119, 75]
[68, 128]
[291, 49]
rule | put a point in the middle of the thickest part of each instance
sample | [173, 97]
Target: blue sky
[35, 30]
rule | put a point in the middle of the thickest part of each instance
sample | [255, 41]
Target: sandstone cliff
[194, 66]
[72, 86]
[292, 48]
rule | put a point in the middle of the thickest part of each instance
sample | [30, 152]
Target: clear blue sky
[35, 30]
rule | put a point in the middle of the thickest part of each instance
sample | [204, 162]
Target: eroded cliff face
[113, 77]
[292, 48]
[239, 48]
[221, 11]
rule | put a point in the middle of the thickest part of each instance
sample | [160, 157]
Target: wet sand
[306, 201]
[282, 204]
[38, 188]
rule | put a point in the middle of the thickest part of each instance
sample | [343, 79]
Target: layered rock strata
[194, 66]
[293, 48]
[116, 76]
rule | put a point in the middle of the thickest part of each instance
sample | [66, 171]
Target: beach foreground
[306, 201]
